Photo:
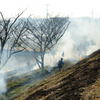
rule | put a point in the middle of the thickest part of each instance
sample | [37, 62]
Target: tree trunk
[42, 62]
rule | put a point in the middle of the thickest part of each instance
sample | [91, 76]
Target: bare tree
[43, 35]
[10, 32]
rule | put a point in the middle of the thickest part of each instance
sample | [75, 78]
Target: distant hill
[79, 82]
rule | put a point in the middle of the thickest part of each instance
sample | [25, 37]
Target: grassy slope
[16, 85]
[79, 82]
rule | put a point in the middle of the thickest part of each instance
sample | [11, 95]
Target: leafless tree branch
[43, 35]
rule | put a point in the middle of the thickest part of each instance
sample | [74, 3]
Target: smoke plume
[3, 88]
[80, 40]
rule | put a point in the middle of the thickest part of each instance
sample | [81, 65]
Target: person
[60, 63]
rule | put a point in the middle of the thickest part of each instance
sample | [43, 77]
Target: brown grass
[79, 82]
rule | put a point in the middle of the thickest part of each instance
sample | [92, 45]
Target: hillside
[79, 82]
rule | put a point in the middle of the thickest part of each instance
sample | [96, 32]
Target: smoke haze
[81, 39]
[2, 82]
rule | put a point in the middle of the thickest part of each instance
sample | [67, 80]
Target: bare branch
[10, 35]
[43, 35]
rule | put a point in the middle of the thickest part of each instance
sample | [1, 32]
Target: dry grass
[79, 82]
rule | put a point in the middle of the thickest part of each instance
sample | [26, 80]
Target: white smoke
[3, 88]
[81, 39]
[85, 33]
[65, 45]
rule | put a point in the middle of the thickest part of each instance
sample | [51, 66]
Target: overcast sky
[72, 8]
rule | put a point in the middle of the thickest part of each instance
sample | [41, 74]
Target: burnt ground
[79, 82]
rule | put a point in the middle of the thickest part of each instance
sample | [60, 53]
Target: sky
[38, 8]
